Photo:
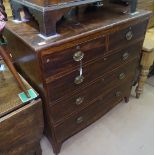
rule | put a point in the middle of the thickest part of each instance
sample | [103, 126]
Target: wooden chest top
[80, 27]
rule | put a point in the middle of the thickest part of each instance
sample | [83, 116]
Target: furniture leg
[16, 8]
[126, 99]
[146, 62]
[39, 150]
[47, 28]
[57, 149]
[133, 6]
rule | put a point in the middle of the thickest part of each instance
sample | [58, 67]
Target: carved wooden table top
[9, 91]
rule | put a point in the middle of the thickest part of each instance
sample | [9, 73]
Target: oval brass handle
[79, 100]
[122, 76]
[79, 79]
[118, 94]
[79, 120]
[125, 56]
[129, 35]
[78, 56]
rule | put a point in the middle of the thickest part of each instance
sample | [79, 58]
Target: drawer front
[67, 83]
[92, 113]
[127, 36]
[79, 100]
[68, 59]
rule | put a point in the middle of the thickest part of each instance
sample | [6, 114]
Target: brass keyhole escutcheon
[118, 94]
[129, 35]
[125, 56]
[79, 100]
[79, 120]
[122, 76]
[79, 79]
[78, 56]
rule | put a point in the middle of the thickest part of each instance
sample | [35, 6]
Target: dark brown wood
[38, 150]
[92, 113]
[136, 32]
[48, 2]
[54, 63]
[47, 17]
[51, 2]
[89, 26]
[21, 130]
[59, 86]
[48, 13]
[21, 125]
[51, 66]
[91, 92]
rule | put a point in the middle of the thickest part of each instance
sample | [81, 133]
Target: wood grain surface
[111, 43]
[21, 125]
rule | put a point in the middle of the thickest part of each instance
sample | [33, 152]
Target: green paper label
[25, 99]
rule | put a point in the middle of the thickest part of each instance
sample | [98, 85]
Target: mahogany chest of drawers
[82, 73]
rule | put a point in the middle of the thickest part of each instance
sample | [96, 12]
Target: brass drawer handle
[78, 56]
[122, 76]
[125, 56]
[129, 35]
[79, 120]
[118, 94]
[79, 79]
[79, 100]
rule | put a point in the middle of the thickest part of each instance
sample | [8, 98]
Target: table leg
[146, 62]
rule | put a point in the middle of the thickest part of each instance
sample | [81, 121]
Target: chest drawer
[92, 113]
[65, 60]
[127, 36]
[86, 95]
[67, 83]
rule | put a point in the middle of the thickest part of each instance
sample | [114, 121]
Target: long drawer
[66, 84]
[60, 61]
[92, 113]
[126, 36]
[79, 100]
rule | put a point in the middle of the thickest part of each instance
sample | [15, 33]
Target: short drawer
[127, 36]
[67, 84]
[92, 113]
[65, 60]
[75, 102]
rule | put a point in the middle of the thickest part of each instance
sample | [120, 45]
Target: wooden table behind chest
[82, 73]
[21, 124]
